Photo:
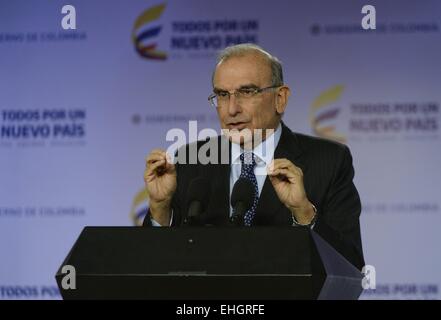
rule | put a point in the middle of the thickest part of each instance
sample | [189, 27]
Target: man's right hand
[160, 180]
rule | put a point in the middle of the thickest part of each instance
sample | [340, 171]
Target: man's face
[256, 112]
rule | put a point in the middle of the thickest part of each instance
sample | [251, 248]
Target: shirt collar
[264, 152]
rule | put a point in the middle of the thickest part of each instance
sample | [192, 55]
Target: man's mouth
[237, 125]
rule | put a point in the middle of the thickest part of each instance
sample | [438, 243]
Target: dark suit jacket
[327, 173]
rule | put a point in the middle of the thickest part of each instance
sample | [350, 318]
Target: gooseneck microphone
[197, 199]
[241, 200]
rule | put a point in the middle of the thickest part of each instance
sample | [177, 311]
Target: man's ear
[282, 96]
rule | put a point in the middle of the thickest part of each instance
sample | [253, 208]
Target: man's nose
[233, 106]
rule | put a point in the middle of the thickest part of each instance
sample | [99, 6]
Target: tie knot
[248, 159]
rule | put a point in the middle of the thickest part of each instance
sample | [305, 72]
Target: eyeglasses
[220, 98]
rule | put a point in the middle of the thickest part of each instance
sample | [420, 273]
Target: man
[302, 180]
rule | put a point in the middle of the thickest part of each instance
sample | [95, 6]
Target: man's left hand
[287, 180]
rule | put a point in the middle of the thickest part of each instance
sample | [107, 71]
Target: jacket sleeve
[338, 223]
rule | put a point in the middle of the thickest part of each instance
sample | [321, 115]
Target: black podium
[207, 263]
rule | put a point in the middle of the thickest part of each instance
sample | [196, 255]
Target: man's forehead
[242, 70]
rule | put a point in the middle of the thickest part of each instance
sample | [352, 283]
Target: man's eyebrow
[249, 85]
[244, 86]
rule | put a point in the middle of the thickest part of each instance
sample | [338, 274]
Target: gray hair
[243, 49]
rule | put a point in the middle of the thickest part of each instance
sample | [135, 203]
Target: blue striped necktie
[248, 162]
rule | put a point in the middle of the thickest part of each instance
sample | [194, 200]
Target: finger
[280, 164]
[154, 159]
[283, 174]
[158, 150]
[277, 179]
[147, 176]
[159, 155]
[153, 168]
[156, 154]
[168, 158]
[170, 167]
[285, 163]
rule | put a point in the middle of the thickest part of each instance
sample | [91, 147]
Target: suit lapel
[219, 205]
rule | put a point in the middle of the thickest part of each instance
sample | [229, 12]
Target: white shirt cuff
[156, 224]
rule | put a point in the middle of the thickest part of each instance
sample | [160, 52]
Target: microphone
[197, 199]
[241, 200]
